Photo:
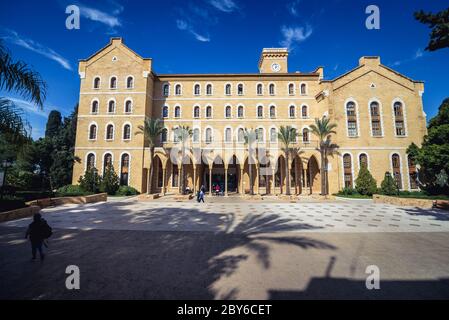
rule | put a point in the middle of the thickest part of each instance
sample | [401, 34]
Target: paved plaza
[231, 249]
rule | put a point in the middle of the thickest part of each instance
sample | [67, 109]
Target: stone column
[226, 181]
[210, 180]
[256, 182]
[242, 191]
[194, 179]
[179, 180]
[164, 171]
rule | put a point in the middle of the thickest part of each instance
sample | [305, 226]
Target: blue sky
[220, 36]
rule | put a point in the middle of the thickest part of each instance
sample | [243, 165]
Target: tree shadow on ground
[163, 253]
[437, 214]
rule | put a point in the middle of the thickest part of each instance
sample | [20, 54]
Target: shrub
[71, 191]
[110, 182]
[91, 181]
[348, 191]
[365, 183]
[389, 186]
[127, 191]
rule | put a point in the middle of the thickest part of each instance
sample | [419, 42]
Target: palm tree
[250, 137]
[17, 76]
[183, 134]
[323, 130]
[287, 135]
[151, 129]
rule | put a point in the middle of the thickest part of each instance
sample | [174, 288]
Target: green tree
[433, 156]
[389, 186]
[16, 76]
[439, 23]
[250, 137]
[151, 130]
[91, 181]
[323, 129]
[110, 181]
[365, 183]
[54, 124]
[183, 135]
[287, 135]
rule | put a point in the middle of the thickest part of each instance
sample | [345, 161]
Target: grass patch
[353, 196]
[421, 195]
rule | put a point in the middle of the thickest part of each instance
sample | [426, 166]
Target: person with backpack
[38, 231]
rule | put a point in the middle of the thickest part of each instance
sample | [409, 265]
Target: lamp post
[5, 165]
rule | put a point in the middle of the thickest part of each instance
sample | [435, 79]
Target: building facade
[378, 113]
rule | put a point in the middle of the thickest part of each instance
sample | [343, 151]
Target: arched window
[399, 119]
[351, 115]
[260, 111]
[111, 106]
[124, 171]
[164, 135]
[196, 135]
[240, 89]
[93, 132]
[165, 112]
[196, 112]
[304, 112]
[260, 89]
[347, 170]
[110, 132]
[303, 89]
[177, 112]
[272, 112]
[196, 90]
[291, 112]
[240, 112]
[208, 135]
[107, 161]
[228, 112]
[127, 132]
[176, 134]
[228, 89]
[305, 135]
[363, 160]
[130, 82]
[413, 173]
[178, 90]
[228, 135]
[241, 135]
[291, 89]
[90, 161]
[273, 135]
[128, 106]
[166, 90]
[376, 128]
[208, 112]
[113, 83]
[97, 83]
[271, 89]
[94, 108]
[259, 134]
[396, 164]
[209, 89]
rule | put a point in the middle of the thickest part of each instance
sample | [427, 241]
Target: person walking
[38, 231]
[201, 196]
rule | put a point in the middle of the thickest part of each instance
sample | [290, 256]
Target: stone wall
[19, 213]
[405, 202]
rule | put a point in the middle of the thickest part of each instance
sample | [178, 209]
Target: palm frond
[13, 126]
[19, 77]
[151, 129]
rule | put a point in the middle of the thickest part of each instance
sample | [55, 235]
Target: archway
[233, 175]
[296, 175]
[314, 176]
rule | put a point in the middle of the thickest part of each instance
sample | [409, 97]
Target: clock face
[275, 67]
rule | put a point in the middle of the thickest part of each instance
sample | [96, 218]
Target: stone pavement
[159, 250]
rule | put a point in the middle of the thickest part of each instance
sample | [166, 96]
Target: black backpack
[46, 230]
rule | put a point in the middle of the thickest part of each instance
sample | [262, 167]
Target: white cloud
[224, 5]
[292, 7]
[100, 16]
[293, 35]
[418, 54]
[13, 37]
[29, 107]
[185, 26]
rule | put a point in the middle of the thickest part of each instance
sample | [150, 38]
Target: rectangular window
[352, 128]
[400, 128]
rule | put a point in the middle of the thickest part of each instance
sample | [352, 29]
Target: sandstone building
[379, 112]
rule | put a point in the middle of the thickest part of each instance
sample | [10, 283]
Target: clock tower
[273, 60]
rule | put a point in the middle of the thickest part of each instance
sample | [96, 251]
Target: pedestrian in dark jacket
[38, 231]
